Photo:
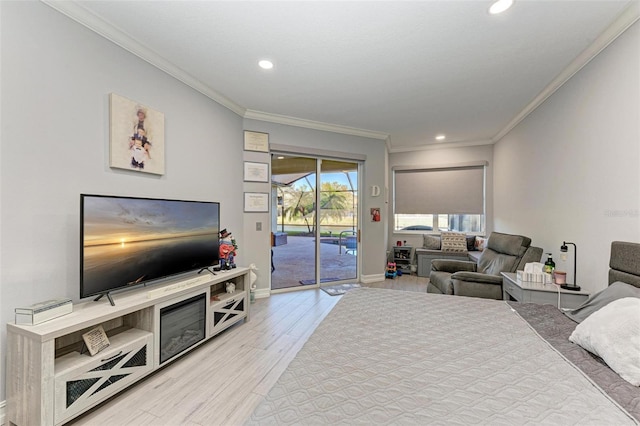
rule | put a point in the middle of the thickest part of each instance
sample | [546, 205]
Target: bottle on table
[549, 268]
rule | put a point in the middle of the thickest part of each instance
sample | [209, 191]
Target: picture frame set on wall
[256, 202]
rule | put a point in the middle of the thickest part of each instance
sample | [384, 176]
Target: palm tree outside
[336, 202]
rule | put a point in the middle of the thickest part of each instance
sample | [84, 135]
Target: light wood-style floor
[222, 381]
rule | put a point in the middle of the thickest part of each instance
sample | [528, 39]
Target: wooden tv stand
[49, 378]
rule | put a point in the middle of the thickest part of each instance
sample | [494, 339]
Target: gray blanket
[555, 328]
[394, 357]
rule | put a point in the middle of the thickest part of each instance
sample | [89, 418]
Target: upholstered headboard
[625, 263]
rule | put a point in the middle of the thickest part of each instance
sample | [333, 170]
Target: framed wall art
[256, 141]
[256, 172]
[256, 202]
[375, 214]
[136, 136]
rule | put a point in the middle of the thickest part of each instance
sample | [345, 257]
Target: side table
[533, 292]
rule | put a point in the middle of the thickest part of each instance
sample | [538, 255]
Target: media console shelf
[51, 379]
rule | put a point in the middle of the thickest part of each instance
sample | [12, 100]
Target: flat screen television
[127, 241]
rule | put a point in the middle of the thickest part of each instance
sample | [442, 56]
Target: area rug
[336, 290]
[322, 280]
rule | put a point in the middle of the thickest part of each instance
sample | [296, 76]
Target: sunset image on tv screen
[127, 241]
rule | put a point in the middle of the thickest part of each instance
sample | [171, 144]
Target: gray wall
[571, 170]
[56, 78]
[441, 157]
[372, 251]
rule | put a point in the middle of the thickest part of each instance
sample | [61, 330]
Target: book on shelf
[43, 311]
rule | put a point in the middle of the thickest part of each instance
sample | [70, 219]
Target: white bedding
[394, 357]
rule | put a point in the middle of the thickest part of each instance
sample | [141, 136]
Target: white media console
[51, 378]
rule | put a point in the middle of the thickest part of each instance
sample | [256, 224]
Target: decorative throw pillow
[453, 242]
[481, 243]
[431, 242]
[613, 334]
[471, 242]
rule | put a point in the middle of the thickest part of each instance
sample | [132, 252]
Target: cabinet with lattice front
[82, 381]
[227, 308]
[51, 376]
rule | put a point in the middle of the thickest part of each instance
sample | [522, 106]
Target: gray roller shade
[458, 190]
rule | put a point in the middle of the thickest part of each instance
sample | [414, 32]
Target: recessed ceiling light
[500, 6]
[265, 64]
[280, 157]
[440, 137]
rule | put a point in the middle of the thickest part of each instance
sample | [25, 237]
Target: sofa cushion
[514, 245]
[493, 263]
[471, 242]
[453, 242]
[473, 289]
[431, 242]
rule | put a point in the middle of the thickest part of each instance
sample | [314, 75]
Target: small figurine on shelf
[230, 287]
[227, 250]
[391, 270]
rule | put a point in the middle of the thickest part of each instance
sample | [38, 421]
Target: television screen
[128, 241]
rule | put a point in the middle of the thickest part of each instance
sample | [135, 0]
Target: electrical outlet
[258, 226]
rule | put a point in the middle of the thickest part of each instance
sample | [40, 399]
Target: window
[439, 199]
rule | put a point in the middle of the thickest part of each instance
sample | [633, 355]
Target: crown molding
[627, 18]
[387, 142]
[441, 145]
[84, 17]
[315, 125]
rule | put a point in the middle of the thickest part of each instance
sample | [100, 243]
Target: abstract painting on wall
[136, 134]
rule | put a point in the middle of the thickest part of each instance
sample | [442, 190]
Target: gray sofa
[431, 250]
[504, 253]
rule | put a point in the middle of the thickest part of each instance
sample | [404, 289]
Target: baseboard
[261, 293]
[367, 279]
[3, 404]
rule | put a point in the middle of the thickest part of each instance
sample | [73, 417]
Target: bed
[393, 357]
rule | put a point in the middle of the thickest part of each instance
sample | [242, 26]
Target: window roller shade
[440, 191]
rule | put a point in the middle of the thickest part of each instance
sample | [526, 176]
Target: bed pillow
[615, 291]
[613, 334]
[431, 242]
[454, 242]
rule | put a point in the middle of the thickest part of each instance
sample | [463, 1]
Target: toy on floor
[391, 271]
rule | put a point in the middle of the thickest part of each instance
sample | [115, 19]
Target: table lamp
[564, 249]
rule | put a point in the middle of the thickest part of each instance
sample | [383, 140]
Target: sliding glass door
[338, 222]
[315, 221]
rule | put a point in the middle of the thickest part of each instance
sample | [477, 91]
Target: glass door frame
[358, 213]
[317, 269]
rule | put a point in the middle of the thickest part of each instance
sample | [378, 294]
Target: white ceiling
[408, 70]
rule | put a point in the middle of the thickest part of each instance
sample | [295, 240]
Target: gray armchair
[504, 253]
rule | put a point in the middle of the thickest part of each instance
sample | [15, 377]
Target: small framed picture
[256, 172]
[256, 141]
[256, 202]
[96, 340]
[375, 214]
